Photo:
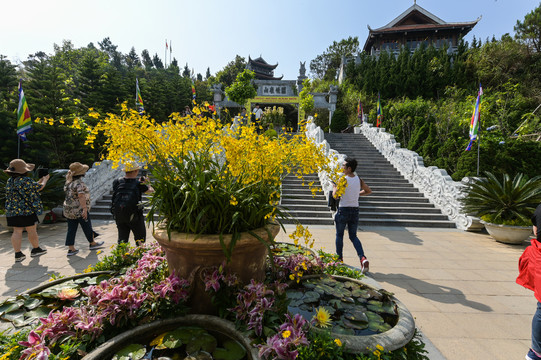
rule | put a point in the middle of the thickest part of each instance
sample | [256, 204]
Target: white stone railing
[315, 133]
[99, 179]
[434, 183]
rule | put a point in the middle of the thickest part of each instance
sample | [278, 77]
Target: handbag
[333, 203]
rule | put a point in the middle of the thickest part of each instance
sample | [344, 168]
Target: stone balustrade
[99, 179]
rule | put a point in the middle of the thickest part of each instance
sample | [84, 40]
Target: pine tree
[8, 108]
[158, 64]
[147, 61]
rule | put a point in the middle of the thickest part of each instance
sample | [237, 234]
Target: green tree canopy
[325, 66]
[529, 30]
[242, 89]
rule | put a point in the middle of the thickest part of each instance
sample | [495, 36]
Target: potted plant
[505, 207]
[217, 189]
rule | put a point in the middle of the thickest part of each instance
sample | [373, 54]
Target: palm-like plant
[508, 202]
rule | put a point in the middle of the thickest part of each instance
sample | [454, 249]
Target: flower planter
[187, 255]
[508, 234]
[145, 333]
[396, 337]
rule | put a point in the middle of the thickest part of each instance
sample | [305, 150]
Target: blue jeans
[347, 216]
[86, 225]
[536, 333]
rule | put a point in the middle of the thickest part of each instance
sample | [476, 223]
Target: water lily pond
[354, 309]
[187, 343]
[26, 309]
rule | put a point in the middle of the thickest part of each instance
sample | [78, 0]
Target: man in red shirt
[529, 266]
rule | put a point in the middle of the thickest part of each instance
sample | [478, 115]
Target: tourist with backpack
[126, 205]
[77, 208]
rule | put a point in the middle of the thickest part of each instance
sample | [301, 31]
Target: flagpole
[18, 147]
[478, 149]
[165, 66]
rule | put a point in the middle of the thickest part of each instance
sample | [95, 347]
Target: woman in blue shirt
[23, 205]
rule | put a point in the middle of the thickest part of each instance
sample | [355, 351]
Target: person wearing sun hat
[77, 207]
[23, 205]
[128, 190]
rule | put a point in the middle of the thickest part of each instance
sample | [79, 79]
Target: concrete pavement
[459, 286]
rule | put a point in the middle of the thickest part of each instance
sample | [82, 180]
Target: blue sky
[209, 33]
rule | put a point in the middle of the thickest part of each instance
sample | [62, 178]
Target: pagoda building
[414, 27]
[262, 69]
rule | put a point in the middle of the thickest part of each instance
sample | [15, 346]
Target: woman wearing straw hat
[23, 205]
[77, 207]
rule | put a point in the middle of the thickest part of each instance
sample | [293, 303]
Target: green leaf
[8, 307]
[172, 339]
[205, 342]
[131, 352]
[32, 303]
[232, 350]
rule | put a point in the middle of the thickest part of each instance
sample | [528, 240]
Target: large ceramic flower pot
[188, 254]
[147, 332]
[508, 234]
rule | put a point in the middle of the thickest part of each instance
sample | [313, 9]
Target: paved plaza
[459, 286]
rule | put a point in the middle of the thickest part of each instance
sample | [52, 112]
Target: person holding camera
[23, 205]
[77, 208]
[126, 205]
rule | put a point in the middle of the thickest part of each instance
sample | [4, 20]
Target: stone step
[406, 223]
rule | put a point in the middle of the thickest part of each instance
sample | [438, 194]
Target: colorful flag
[360, 112]
[193, 92]
[475, 119]
[138, 99]
[379, 113]
[24, 121]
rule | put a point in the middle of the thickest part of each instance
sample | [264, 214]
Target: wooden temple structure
[414, 27]
[262, 69]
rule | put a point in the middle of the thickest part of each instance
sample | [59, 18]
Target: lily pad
[294, 294]
[232, 350]
[40, 312]
[32, 303]
[8, 307]
[131, 352]
[205, 342]
[356, 315]
[357, 325]
[172, 340]
[17, 315]
[339, 329]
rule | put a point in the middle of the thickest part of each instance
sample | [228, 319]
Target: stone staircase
[298, 200]
[394, 201]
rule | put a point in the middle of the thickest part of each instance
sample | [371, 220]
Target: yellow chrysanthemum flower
[286, 334]
[338, 342]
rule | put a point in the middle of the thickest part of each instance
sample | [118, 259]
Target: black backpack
[125, 203]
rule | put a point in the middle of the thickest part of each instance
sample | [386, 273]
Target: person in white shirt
[258, 113]
[348, 212]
